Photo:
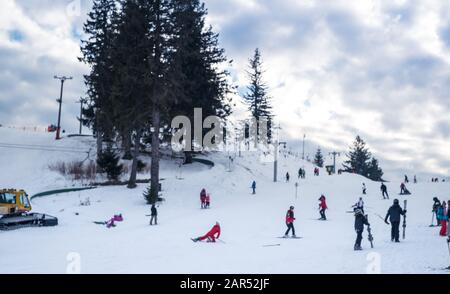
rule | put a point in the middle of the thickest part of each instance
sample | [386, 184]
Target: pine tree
[360, 161]
[358, 158]
[375, 172]
[96, 53]
[318, 159]
[108, 162]
[257, 96]
[131, 85]
[195, 58]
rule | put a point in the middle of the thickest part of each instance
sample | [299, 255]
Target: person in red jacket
[203, 198]
[290, 218]
[323, 207]
[211, 236]
[208, 201]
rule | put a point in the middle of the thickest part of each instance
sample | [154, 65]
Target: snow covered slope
[249, 222]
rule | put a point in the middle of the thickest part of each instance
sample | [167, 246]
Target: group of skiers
[205, 199]
[301, 173]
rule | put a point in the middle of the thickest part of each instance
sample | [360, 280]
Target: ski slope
[249, 222]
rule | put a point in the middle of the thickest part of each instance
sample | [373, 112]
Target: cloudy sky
[336, 69]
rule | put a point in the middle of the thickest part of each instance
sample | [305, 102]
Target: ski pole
[432, 218]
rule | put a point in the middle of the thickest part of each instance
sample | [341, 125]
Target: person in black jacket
[154, 216]
[360, 221]
[436, 205]
[384, 192]
[394, 214]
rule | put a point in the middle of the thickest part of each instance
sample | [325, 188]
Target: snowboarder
[436, 205]
[443, 218]
[203, 198]
[208, 201]
[359, 205]
[384, 191]
[360, 221]
[323, 207]
[364, 189]
[211, 236]
[394, 213]
[288, 177]
[154, 215]
[254, 187]
[290, 218]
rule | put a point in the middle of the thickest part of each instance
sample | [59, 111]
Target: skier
[290, 218]
[364, 189]
[208, 201]
[443, 218]
[406, 179]
[299, 173]
[211, 236]
[323, 207]
[288, 177]
[436, 205]
[359, 205]
[154, 216]
[360, 221]
[254, 187]
[384, 191]
[394, 213]
[203, 198]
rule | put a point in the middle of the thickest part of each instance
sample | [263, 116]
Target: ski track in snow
[249, 222]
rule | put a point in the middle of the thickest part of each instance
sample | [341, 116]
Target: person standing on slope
[443, 218]
[203, 198]
[360, 221]
[406, 179]
[394, 214]
[208, 201]
[384, 192]
[154, 215]
[290, 218]
[323, 207]
[254, 187]
[288, 177]
[364, 189]
[436, 205]
[359, 205]
[211, 236]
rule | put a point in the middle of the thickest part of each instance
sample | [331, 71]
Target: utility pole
[303, 156]
[62, 79]
[334, 154]
[275, 163]
[82, 102]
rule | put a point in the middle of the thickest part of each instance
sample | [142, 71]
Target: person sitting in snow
[203, 198]
[290, 218]
[403, 190]
[112, 222]
[211, 236]
[360, 221]
[323, 207]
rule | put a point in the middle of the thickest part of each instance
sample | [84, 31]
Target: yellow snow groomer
[15, 210]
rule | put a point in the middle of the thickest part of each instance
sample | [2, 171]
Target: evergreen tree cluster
[360, 161]
[150, 60]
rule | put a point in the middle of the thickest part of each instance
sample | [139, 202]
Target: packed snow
[251, 224]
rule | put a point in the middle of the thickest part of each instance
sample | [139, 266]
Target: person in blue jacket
[254, 187]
